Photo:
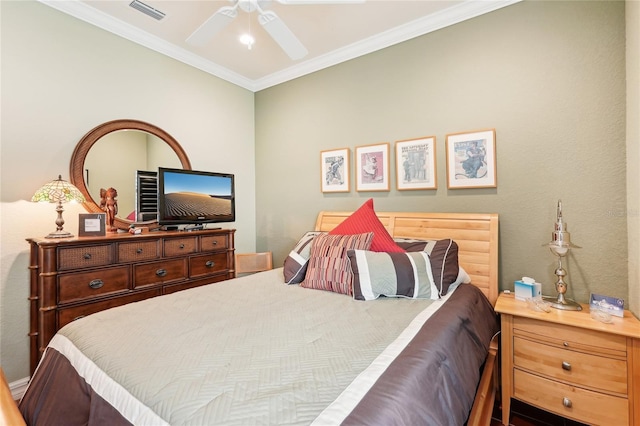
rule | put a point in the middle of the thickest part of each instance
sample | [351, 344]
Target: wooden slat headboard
[475, 233]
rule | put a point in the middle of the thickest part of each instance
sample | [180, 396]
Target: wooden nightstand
[568, 363]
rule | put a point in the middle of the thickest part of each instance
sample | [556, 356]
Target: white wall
[62, 77]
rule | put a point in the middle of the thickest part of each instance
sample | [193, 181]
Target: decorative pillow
[443, 255]
[295, 265]
[392, 275]
[365, 220]
[329, 267]
[463, 278]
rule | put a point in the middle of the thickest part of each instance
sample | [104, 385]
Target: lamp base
[562, 303]
[60, 234]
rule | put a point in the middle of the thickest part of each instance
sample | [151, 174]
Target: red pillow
[365, 220]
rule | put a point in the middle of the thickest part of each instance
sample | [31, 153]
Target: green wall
[548, 76]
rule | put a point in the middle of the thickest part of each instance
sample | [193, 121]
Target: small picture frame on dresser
[92, 225]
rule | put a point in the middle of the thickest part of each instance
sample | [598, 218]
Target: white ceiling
[332, 33]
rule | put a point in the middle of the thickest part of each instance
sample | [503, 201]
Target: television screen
[195, 197]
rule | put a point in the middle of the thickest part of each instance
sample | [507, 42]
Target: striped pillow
[295, 265]
[378, 274]
[443, 255]
[329, 267]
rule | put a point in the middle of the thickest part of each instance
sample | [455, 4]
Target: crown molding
[450, 16]
[99, 19]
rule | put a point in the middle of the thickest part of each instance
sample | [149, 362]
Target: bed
[254, 350]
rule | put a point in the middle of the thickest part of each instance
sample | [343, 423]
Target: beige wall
[60, 78]
[548, 76]
[633, 150]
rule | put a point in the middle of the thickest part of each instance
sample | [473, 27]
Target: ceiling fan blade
[282, 35]
[213, 25]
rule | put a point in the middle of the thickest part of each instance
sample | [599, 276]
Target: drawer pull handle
[161, 272]
[215, 243]
[565, 344]
[566, 366]
[181, 246]
[139, 251]
[210, 264]
[96, 284]
[87, 256]
[566, 402]
[78, 317]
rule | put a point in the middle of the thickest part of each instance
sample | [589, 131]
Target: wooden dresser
[72, 278]
[570, 364]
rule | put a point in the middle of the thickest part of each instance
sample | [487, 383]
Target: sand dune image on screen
[194, 205]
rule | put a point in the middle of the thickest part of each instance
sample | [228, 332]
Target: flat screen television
[188, 197]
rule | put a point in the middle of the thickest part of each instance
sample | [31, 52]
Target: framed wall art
[416, 163]
[372, 167]
[334, 165]
[471, 159]
[92, 225]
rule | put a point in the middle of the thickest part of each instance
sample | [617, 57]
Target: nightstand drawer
[578, 368]
[581, 339]
[569, 401]
[599, 378]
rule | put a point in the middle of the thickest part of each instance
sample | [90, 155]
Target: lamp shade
[58, 191]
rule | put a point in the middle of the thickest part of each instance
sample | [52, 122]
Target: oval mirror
[118, 153]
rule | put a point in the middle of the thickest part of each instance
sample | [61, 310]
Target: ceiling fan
[271, 22]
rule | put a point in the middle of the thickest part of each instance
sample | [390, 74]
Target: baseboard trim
[18, 388]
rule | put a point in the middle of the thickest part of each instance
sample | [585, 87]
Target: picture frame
[92, 224]
[471, 159]
[334, 166]
[416, 164]
[372, 167]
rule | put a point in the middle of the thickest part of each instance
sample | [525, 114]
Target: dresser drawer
[138, 251]
[65, 316]
[160, 272]
[213, 242]
[87, 285]
[583, 405]
[578, 368]
[207, 264]
[580, 339]
[180, 246]
[85, 256]
[172, 288]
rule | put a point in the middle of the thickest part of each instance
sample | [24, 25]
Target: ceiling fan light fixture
[268, 19]
[247, 40]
